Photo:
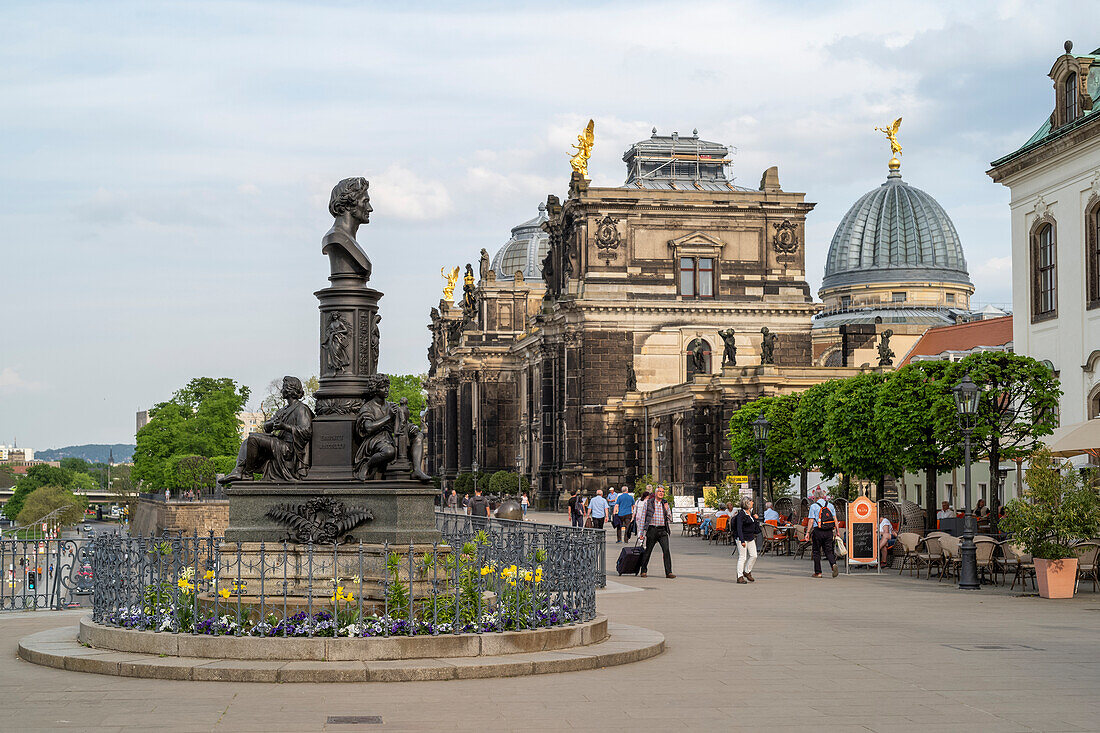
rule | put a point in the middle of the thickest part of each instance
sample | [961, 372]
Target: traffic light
[31, 578]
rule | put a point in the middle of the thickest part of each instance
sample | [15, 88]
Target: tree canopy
[854, 444]
[809, 427]
[199, 420]
[45, 499]
[37, 476]
[410, 386]
[783, 456]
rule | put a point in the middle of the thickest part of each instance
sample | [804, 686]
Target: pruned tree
[783, 456]
[853, 443]
[809, 427]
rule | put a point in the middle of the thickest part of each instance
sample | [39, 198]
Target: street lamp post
[661, 441]
[760, 428]
[474, 467]
[966, 403]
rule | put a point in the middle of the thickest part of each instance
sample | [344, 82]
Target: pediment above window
[696, 243]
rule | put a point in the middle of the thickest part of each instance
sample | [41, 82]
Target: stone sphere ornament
[509, 509]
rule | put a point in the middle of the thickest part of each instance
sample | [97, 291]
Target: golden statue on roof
[891, 133]
[451, 278]
[579, 160]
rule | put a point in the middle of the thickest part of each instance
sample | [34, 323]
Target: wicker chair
[985, 550]
[910, 545]
[950, 547]
[773, 539]
[802, 538]
[933, 554]
[1086, 552]
[912, 518]
[786, 507]
[1024, 565]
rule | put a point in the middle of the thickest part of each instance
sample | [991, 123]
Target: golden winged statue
[451, 278]
[579, 160]
[892, 135]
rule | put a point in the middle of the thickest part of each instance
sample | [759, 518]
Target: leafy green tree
[8, 477]
[850, 434]
[46, 499]
[507, 483]
[783, 456]
[191, 473]
[1018, 405]
[76, 465]
[809, 427]
[914, 420]
[37, 476]
[1058, 508]
[410, 386]
[642, 482]
[200, 419]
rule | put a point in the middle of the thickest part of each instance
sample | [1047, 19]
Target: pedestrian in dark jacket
[744, 527]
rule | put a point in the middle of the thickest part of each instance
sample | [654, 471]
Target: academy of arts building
[615, 332]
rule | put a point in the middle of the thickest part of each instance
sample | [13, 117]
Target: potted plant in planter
[1059, 508]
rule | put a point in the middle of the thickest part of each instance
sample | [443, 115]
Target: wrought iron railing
[481, 579]
[460, 527]
[44, 575]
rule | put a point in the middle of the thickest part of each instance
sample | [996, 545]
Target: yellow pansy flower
[224, 593]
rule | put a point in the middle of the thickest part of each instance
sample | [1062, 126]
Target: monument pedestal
[403, 509]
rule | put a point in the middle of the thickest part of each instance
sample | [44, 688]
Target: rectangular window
[697, 277]
[705, 277]
[845, 301]
[898, 297]
[1092, 264]
[1045, 273]
[687, 276]
[950, 297]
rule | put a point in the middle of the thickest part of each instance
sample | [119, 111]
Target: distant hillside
[96, 453]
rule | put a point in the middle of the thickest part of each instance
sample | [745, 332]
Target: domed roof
[895, 232]
[525, 250]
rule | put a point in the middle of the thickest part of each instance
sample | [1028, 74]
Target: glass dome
[524, 251]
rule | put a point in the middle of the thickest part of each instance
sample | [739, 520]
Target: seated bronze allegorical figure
[281, 452]
[376, 428]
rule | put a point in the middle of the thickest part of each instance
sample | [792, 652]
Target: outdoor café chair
[721, 530]
[1023, 563]
[984, 550]
[910, 543]
[1086, 552]
[950, 547]
[802, 537]
[933, 554]
[690, 524]
[773, 538]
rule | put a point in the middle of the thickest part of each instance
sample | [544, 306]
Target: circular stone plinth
[343, 649]
[62, 649]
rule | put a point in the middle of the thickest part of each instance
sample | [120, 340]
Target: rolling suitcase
[630, 560]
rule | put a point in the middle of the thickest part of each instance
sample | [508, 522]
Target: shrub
[1058, 508]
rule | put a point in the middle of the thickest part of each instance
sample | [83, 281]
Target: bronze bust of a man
[350, 206]
[281, 451]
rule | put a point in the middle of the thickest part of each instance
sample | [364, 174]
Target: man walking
[656, 518]
[479, 505]
[624, 510]
[821, 526]
[597, 509]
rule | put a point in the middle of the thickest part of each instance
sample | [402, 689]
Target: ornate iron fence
[460, 527]
[480, 579]
[44, 575]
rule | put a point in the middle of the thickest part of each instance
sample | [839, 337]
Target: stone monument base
[403, 509]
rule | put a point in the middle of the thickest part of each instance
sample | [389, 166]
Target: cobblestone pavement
[861, 653]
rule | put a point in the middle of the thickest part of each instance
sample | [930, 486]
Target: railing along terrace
[487, 579]
[44, 575]
[460, 527]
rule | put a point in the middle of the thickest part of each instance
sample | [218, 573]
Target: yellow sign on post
[739, 479]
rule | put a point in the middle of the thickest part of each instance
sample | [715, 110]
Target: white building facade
[1055, 207]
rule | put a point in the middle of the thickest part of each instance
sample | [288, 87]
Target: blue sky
[166, 166]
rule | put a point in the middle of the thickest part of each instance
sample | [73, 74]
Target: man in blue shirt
[821, 527]
[770, 513]
[624, 509]
[597, 509]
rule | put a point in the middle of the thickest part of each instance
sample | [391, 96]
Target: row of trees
[44, 488]
[195, 435]
[498, 483]
[877, 424]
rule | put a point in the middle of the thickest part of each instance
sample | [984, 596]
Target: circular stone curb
[60, 648]
[343, 649]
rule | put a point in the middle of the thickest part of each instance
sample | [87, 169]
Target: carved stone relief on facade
[608, 238]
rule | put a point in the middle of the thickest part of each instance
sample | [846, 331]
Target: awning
[1074, 440]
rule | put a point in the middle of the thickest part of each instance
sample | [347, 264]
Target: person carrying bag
[822, 526]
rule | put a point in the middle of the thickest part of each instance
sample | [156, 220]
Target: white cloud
[402, 194]
[993, 267]
[11, 381]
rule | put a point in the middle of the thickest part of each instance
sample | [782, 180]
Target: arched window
[702, 346]
[1092, 256]
[1094, 403]
[1044, 260]
[1069, 99]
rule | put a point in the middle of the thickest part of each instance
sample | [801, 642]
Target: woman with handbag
[745, 530]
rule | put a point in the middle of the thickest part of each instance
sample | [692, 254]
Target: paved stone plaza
[867, 653]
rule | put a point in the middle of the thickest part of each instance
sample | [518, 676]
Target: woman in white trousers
[744, 528]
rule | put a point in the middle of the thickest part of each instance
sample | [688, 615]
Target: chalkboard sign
[863, 541]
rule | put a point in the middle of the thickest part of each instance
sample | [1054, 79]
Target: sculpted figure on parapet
[281, 451]
[385, 433]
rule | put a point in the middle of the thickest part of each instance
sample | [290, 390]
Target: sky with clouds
[166, 166]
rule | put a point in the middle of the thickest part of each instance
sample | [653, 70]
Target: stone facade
[182, 518]
[571, 378]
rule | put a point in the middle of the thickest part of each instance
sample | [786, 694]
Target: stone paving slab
[61, 648]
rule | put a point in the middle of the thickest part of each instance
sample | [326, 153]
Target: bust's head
[350, 196]
[292, 388]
